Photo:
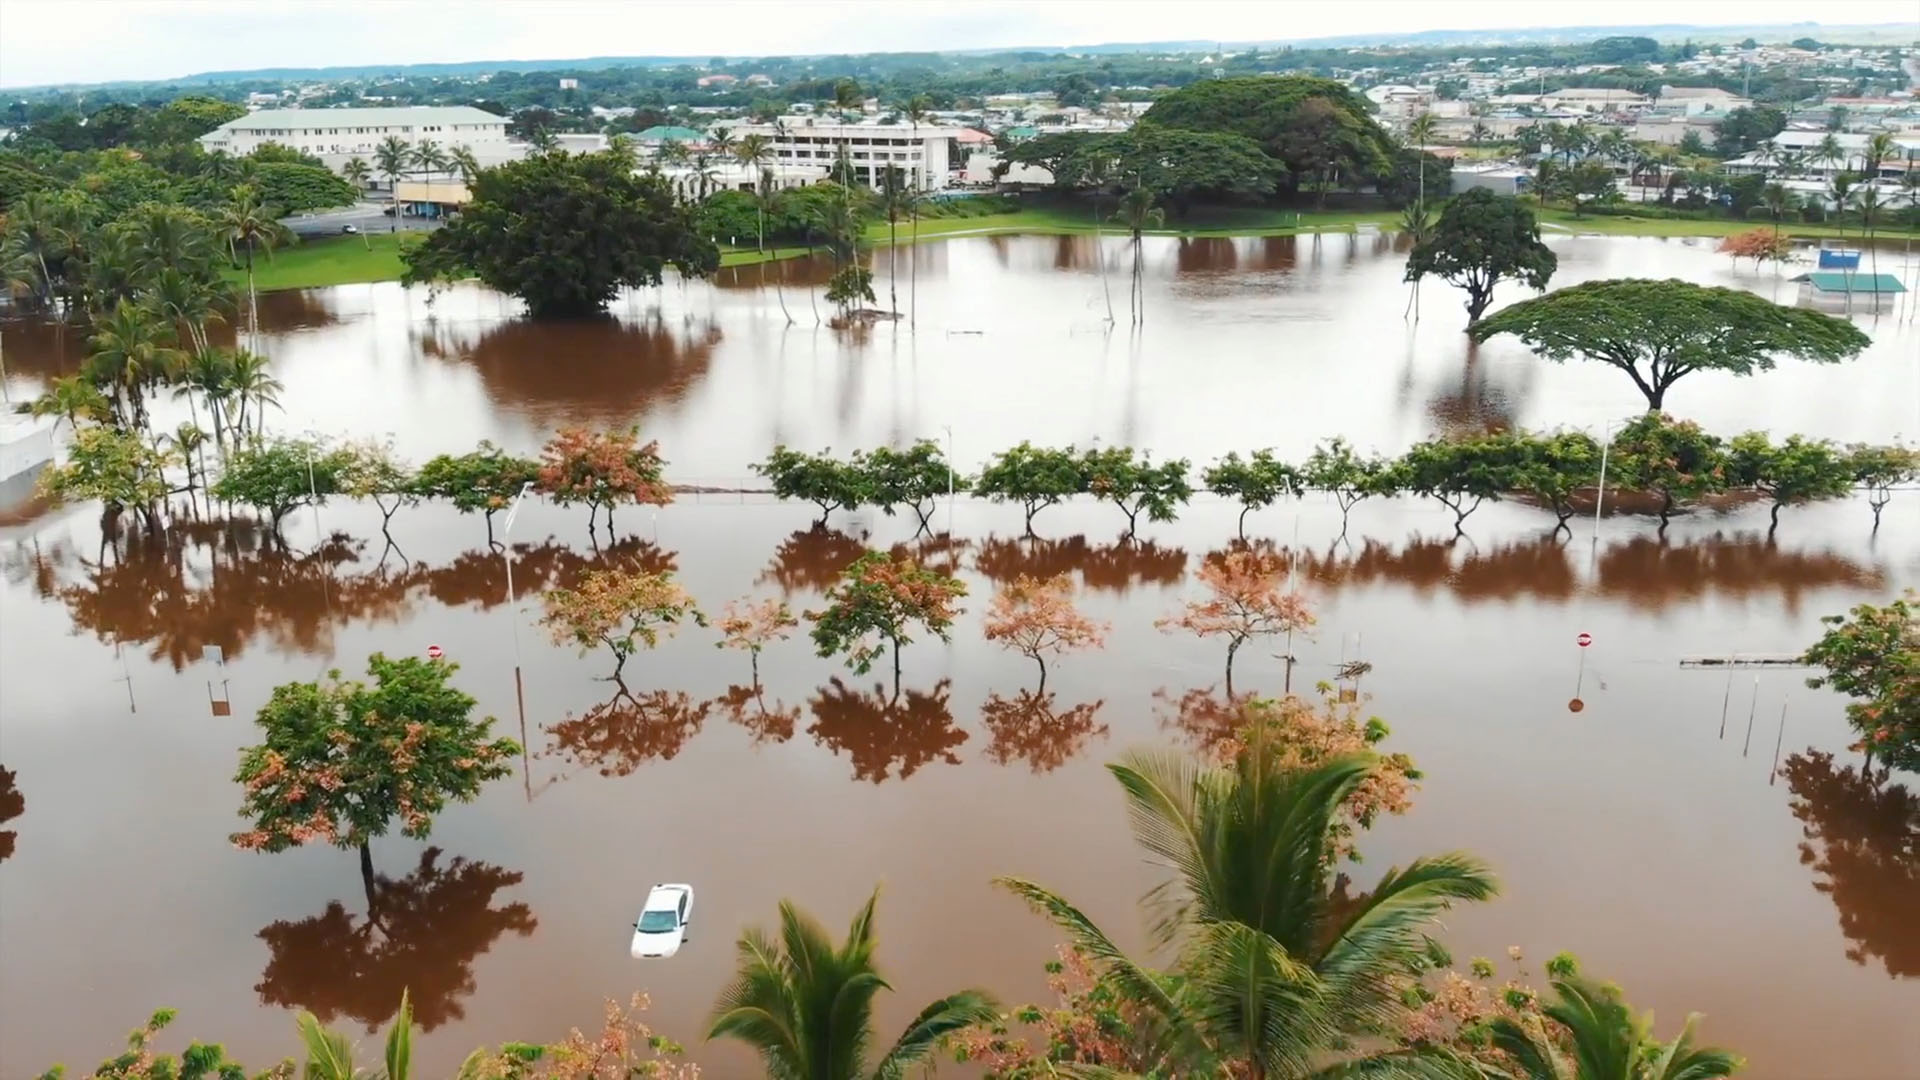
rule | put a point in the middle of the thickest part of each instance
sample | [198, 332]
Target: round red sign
[1585, 639]
[434, 652]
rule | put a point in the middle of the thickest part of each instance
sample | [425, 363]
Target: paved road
[367, 217]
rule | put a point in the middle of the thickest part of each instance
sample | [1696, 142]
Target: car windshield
[657, 922]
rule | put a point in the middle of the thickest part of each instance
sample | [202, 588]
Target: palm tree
[71, 398]
[210, 373]
[190, 301]
[1829, 151]
[1417, 222]
[752, 151]
[1881, 147]
[704, 173]
[1419, 134]
[764, 197]
[1601, 1039]
[1791, 162]
[1282, 974]
[249, 381]
[1870, 204]
[720, 141]
[1480, 133]
[622, 147]
[894, 197]
[674, 152]
[1766, 155]
[330, 1055]
[131, 349]
[172, 237]
[461, 159]
[806, 1007]
[245, 222]
[37, 234]
[113, 270]
[356, 171]
[918, 108]
[1138, 213]
[390, 160]
[1778, 201]
[429, 159]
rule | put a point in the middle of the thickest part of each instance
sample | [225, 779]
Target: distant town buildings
[333, 135]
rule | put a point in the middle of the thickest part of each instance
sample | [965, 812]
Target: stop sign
[434, 652]
[1585, 639]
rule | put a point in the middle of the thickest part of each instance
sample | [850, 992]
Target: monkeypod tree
[825, 481]
[1555, 467]
[1659, 332]
[1255, 483]
[1136, 485]
[1035, 477]
[1334, 468]
[876, 605]
[1480, 239]
[1793, 473]
[1463, 473]
[1037, 616]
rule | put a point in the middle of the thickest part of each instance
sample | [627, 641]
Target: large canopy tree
[566, 232]
[1480, 238]
[1659, 331]
[1317, 128]
[1170, 162]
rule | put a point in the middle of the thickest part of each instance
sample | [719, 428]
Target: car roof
[666, 896]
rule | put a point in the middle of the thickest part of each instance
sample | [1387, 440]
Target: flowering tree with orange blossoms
[621, 609]
[1037, 616]
[1248, 598]
[602, 469]
[875, 605]
[1760, 245]
[342, 760]
[754, 626]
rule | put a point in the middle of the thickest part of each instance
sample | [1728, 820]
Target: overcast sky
[54, 41]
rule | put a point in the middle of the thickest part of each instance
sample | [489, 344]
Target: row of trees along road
[1252, 987]
[1673, 461]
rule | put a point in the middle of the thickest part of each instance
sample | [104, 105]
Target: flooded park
[1702, 837]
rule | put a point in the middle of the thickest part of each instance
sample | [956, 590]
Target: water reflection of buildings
[13, 803]
[600, 370]
[1862, 840]
[1031, 727]
[421, 934]
[886, 734]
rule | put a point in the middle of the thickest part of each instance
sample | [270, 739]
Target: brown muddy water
[1650, 832]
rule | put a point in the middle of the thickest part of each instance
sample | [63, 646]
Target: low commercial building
[923, 155]
[1499, 179]
[1595, 99]
[1699, 101]
[343, 133]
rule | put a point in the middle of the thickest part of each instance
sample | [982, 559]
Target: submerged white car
[662, 926]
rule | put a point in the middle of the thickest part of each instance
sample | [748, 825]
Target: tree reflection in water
[812, 559]
[1210, 719]
[1032, 729]
[1653, 575]
[421, 934]
[224, 583]
[882, 733]
[627, 731]
[747, 706]
[1862, 840]
[13, 803]
[1117, 567]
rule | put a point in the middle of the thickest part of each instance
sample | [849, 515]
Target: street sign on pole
[1585, 639]
[434, 652]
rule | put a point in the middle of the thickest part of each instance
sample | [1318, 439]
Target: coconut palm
[1841, 191]
[1280, 974]
[674, 152]
[131, 349]
[245, 223]
[429, 159]
[355, 172]
[1766, 155]
[1601, 1039]
[918, 108]
[1417, 222]
[254, 388]
[1779, 201]
[543, 141]
[806, 1006]
[721, 141]
[190, 302]
[391, 159]
[1881, 148]
[894, 198]
[1870, 203]
[1480, 133]
[1791, 162]
[462, 161]
[764, 197]
[72, 398]
[209, 373]
[622, 147]
[40, 235]
[330, 1054]
[172, 237]
[113, 270]
[1419, 134]
[1829, 151]
[1138, 213]
[752, 151]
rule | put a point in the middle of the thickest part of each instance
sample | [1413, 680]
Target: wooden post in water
[1724, 699]
[1777, 740]
[1751, 706]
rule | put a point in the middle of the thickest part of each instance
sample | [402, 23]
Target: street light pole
[948, 428]
[506, 556]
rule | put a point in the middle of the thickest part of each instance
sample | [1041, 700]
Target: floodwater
[1650, 832]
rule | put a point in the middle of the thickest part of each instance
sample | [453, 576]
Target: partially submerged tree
[1035, 477]
[1673, 459]
[602, 469]
[1256, 483]
[1037, 616]
[1880, 469]
[1136, 485]
[823, 480]
[1334, 468]
[1556, 466]
[1463, 473]
[280, 475]
[371, 470]
[915, 477]
[1872, 655]
[122, 469]
[753, 626]
[1658, 332]
[342, 761]
[1793, 473]
[620, 608]
[486, 480]
[875, 606]
[1247, 597]
[1480, 239]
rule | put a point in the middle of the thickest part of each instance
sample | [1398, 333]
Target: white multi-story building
[341, 133]
[923, 156]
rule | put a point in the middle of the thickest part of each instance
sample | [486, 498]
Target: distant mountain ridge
[1879, 33]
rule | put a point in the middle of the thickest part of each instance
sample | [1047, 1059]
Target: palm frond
[400, 1041]
[952, 1013]
[1606, 1036]
[1681, 1060]
[329, 1055]
[756, 1007]
[1135, 981]
[1536, 1058]
[1259, 1004]
[1162, 791]
[1414, 1063]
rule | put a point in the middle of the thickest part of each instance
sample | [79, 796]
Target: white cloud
[44, 41]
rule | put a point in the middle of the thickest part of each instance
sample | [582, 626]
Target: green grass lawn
[1213, 221]
[330, 260]
[1628, 225]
